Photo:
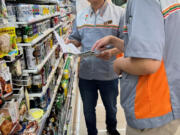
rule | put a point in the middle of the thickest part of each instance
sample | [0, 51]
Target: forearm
[137, 66]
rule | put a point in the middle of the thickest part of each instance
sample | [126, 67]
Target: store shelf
[74, 96]
[20, 95]
[48, 81]
[40, 66]
[65, 6]
[13, 58]
[69, 12]
[46, 115]
[39, 38]
[34, 1]
[38, 19]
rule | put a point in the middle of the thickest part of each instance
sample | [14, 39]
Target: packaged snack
[31, 128]
[3, 13]
[5, 45]
[8, 42]
[5, 80]
[35, 10]
[16, 68]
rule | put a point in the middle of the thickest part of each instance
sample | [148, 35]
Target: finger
[99, 45]
[95, 45]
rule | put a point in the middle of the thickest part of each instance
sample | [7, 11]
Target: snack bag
[8, 44]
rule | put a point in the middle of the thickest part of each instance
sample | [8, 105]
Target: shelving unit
[52, 101]
[48, 81]
[38, 19]
[40, 66]
[39, 38]
[54, 70]
[34, 1]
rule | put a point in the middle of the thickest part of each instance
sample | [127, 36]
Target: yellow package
[9, 34]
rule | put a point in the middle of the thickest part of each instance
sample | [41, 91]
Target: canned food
[33, 56]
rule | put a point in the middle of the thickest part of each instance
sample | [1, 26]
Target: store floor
[80, 126]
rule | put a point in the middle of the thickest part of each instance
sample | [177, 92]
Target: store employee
[150, 86]
[97, 21]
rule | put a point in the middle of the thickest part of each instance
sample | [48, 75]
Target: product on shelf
[11, 10]
[24, 12]
[1, 98]
[8, 42]
[28, 12]
[31, 128]
[15, 68]
[33, 56]
[3, 13]
[5, 79]
[35, 114]
[29, 33]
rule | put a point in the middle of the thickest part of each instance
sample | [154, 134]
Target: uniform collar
[101, 10]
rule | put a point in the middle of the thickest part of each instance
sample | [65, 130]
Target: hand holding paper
[71, 49]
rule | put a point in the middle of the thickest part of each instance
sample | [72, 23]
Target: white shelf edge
[48, 81]
[39, 38]
[36, 40]
[38, 19]
[39, 67]
[55, 92]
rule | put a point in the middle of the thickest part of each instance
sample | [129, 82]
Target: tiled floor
[80, 127]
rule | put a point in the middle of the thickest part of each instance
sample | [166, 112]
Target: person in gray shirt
[100, 19]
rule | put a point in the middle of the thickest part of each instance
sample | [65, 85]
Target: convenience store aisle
[79, 127]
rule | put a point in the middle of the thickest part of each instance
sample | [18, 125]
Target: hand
[105, 55]
[67, 41]
[116, 66]
[102, 43]
[75, 42]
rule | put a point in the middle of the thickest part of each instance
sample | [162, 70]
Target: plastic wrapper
[3, 13]
[8, 44]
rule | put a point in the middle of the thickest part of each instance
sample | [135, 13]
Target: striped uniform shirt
[90, 27]
[152, 30]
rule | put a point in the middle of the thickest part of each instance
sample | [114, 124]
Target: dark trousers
[89, 94]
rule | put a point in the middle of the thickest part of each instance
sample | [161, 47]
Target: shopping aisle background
[79, 122]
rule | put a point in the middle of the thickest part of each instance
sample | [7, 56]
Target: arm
[74, 37]
[107, 54]
[75, 42]
[144, 49]
[136, 66]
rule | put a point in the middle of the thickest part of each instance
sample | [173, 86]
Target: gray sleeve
[146, 36]
[121, 25]
[75, 34]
